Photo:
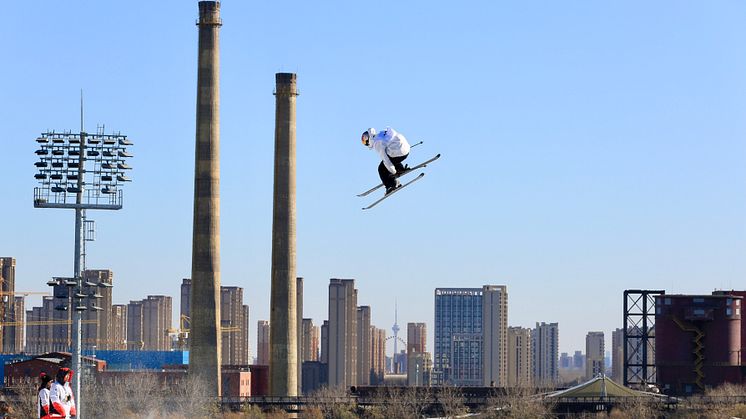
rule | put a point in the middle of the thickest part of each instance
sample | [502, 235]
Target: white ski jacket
[389, 143]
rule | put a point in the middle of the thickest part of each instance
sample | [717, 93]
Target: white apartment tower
[545, 353]
[594, 354]
[495, 335]
[342, 333]
[520, 371]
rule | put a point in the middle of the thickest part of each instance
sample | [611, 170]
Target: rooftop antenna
[81, 110]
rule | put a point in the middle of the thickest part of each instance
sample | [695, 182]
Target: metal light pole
[80, 171]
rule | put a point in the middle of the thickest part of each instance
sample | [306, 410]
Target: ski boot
[390, 189]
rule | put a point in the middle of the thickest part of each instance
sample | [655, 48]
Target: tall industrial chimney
[204, 355]
[283, 337]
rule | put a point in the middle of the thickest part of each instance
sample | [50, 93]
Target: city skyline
[538, 358]
[93, 335]
[617, 169]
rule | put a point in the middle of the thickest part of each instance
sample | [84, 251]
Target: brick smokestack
[204, 355]
[283, 317]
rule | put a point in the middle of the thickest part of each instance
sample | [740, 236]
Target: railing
[92, 199]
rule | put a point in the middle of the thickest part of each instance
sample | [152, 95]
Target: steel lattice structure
[92, 165]
[639, 337]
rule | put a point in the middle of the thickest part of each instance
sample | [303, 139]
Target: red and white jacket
[59, 401]
[42, 405]
[73, 411]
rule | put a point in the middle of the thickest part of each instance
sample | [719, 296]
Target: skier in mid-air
[393, 149]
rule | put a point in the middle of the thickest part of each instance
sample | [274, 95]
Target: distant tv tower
[395, 329]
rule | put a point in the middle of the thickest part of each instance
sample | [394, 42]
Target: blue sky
[588, 147]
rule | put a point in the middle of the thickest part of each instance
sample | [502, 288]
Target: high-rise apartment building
[185, 304]
[378, 355]
[234, 320]
[299, 332]
[235, 325]
[458, 336]
[324, 343]
[520, 366]
[97, 325]
[156, 321]
[19, 320]
[471, 336]
[247, 354]
[495, 335]
[364, 346]
[416, 337]
[545, 353]
[11, 338]
[119, 327]
[343, 352]
[39, 335]
[594, 352]
[311, 338]
[578, 360]
[419, 361]
[50, 328]
[617, 355]
[148, 322]
[135, 339]
[419, 369]
[262, 342]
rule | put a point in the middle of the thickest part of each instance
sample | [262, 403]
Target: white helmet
[367, 136]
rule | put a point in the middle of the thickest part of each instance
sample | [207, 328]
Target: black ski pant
[389, 180]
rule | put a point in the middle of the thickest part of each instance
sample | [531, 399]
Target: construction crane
[182, 332]
[24, 293]
[44, 323]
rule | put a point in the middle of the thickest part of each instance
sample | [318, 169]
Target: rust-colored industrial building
[741, 294]
[24, 372]
[699, 342]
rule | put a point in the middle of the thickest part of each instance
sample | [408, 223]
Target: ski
[411, 169]
[420, 176]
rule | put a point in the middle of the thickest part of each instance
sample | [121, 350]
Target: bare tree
[635, 407]
[190, 398]
[518, 402]
[727, 400]
[23, 405]
[334, 403]
[312, 412]
[143, 395]
[451, 400]
[251, 411]
[393, 403]
[127, 396]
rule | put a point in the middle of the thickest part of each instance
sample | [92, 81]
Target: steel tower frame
[639, 337]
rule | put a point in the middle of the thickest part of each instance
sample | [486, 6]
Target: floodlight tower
[80, 171]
